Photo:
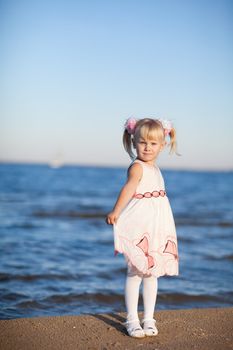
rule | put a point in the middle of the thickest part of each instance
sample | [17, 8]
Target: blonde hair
[148, 128]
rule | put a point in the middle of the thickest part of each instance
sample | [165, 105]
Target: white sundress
[145, 230]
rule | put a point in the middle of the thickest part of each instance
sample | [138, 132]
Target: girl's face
[148, 149]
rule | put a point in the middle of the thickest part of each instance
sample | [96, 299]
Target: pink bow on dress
[171, 248]
[143, 244]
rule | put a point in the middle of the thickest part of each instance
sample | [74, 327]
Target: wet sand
[201, 329]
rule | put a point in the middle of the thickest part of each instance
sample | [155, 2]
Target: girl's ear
[163, 145]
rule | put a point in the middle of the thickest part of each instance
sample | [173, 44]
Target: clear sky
[72, 71]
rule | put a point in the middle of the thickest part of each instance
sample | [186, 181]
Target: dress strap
[144, 165]
[138, 161]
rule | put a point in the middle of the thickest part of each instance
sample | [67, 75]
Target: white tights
[149, 293]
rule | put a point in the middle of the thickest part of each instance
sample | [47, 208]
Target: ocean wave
[68, 214]
[18, 305]
[115, 298]
[4, 277]
[181, 298]
[31, 304]
[25, 226]
[101, 215]
[228, 257]
[94, 297]
[12, 296]
[197, 222]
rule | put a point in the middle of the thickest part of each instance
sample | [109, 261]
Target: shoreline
[200, 329]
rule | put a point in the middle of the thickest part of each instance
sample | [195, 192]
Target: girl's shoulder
[135, 167]
[139, 162]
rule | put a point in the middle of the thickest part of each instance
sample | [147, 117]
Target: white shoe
[149, 327]
[134, 329]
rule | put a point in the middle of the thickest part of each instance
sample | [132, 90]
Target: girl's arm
[127, 192]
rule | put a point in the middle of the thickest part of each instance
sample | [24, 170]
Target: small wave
[228, 257]
[29, 278]
[69, 214]
[106, 242]
[114, 298]
[224, 257]
[108, 275]
[31, 304]
[196, 222]
[13, 296]
[189, 298]
[25, 226]
[101, 215]
[117, 271]
[90, 297]
[186, 239]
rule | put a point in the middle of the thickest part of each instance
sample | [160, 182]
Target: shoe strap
[131, 321]
[148, 320]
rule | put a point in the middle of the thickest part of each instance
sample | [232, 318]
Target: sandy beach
[200, 329]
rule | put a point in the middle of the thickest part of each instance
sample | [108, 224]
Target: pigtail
[127, 142]
[173, 142]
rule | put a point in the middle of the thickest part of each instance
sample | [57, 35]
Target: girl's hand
[111, 218]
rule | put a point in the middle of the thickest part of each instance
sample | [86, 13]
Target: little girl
[144, 229]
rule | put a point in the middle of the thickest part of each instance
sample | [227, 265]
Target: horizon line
[104, 165]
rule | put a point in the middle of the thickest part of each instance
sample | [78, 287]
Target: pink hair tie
[167, 125]
[130, 125]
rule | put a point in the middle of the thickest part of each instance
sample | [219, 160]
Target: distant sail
[57, 162]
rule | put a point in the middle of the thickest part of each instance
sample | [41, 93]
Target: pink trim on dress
[154, 194]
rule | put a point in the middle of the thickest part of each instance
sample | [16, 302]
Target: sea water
[57, 254]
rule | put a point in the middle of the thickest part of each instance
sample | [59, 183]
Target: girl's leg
[132, 286]
[150, 286]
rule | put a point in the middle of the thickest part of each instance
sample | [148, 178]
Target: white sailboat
[57, 161]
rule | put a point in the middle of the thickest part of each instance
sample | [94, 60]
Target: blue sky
[73, 71]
